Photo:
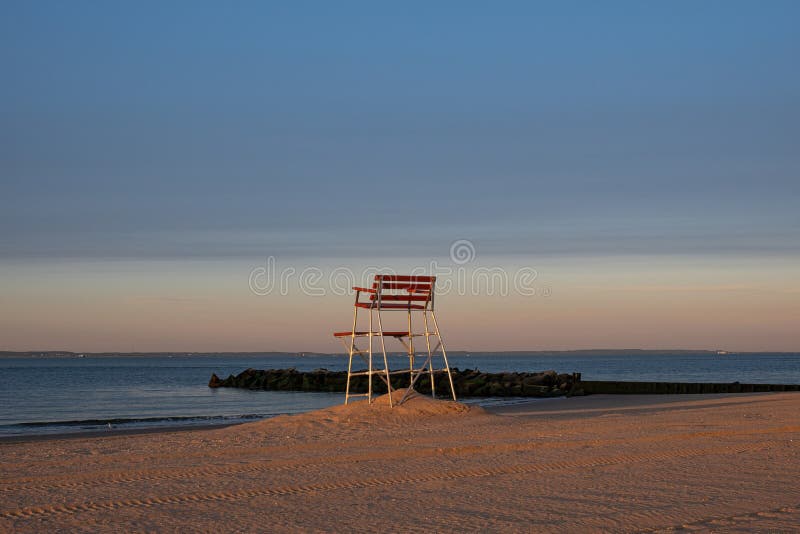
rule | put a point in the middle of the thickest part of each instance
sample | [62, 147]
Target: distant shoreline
[580, 352]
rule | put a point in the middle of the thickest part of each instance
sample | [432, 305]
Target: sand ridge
[722, 463]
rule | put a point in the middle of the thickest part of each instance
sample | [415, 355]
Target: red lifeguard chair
[396, 293]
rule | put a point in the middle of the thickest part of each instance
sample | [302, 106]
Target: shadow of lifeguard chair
[396, 293]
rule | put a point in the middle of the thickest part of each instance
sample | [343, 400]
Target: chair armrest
[364, 289]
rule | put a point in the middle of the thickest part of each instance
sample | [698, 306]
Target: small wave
[137, 420]
[489, 402]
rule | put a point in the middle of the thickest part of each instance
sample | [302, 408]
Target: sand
[723, 463]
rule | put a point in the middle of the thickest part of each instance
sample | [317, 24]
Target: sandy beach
[722, 463]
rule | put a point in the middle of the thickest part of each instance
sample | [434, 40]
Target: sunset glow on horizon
[210, 307]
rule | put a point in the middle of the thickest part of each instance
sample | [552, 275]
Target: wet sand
[725, 463]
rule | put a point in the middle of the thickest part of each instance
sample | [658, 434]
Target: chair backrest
[394, 291]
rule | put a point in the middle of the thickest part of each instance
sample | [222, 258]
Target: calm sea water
[52, 395]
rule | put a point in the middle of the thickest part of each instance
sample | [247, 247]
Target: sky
[637, 162]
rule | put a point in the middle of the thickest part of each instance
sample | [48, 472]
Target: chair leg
[444, 355]
[350, 359]
[410, 350]
[369, 375]
[430, 354]
[385, 360]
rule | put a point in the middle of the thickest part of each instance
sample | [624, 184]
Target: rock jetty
[468, 383]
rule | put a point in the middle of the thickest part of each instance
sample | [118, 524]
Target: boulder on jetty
[468, 383]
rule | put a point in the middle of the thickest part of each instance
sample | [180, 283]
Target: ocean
[64, 395]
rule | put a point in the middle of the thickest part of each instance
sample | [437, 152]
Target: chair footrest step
[385, 334]
[365, 333]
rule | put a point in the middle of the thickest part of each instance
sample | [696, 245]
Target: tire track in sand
[152, 501]
[788, 514]
[42, 484]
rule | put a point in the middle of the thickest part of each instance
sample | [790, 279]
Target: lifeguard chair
[396, 293]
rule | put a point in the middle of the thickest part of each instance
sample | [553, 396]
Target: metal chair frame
[395, 293]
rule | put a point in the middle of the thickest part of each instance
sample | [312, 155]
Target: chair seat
[383, 306]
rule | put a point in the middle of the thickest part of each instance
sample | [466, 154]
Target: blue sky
[187, 131]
